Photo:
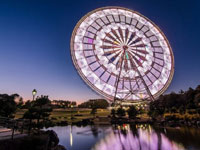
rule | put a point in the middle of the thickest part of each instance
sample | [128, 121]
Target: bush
[182, 110]
[8, 105]
[132, 112]
[173, 110]
[191, 112]
[113, 112]
[121, 112]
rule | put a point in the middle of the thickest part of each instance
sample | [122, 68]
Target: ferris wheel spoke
[112, 52]
[131, 37]
[112, 38]
[140, 51]
[139, 45]
[135, 41]
[115, 33]
[110, 42]
[113, 57]
[140, 56]
[137, 61]
[126, 34]
[108, 47]
[121, 34]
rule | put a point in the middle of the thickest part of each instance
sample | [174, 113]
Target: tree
[197, 99]
[73, 104]
[185, 100]
[27, 105]
[132, 112]
[113, 112]
[93, 111]
[20, 103]
[173, 110]
[182, 110]
[121, 112]
[39, 109]
[8, 105]
[98, 103]
[157, 107]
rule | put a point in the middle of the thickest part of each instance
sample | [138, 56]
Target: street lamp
[34, 92]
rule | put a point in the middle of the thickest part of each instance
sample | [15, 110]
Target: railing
[15, 125]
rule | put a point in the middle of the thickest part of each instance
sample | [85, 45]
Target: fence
[15, 125]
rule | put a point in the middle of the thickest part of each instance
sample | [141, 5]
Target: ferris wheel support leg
[119, 76]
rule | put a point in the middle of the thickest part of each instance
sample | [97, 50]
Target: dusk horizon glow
[35, 44]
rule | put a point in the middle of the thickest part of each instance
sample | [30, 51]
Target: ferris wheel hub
[125, 47]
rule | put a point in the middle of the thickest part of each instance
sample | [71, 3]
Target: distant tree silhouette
[176, 102]
[98, 103]
[62, 104]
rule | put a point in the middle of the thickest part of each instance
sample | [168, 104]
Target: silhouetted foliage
[121, 112]
[176, 102]
[98, 103]
[20, 103]
[113, 113]
[39, 109]
[93, 111]
[8, 105]
[62, 104]
[132, 112]
[27, 105]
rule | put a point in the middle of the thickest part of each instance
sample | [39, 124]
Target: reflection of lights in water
[71, 137]
[165, 130]
[144, 139]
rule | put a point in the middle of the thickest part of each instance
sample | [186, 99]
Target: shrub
[121, 112]
[132, 112]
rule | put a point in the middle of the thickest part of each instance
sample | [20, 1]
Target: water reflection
[136, 137]
[128, 137]
[71, 136]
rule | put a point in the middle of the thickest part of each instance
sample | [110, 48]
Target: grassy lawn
[78, 114]
[58, 115]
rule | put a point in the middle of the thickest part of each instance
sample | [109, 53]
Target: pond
[128, 137]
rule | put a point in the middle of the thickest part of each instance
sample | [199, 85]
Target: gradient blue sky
[35, 43]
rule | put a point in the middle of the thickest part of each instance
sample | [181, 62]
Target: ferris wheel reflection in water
[131, 137]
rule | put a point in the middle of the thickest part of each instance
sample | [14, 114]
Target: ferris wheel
[121, 54]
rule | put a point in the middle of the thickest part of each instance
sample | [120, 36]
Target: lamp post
[34, 92]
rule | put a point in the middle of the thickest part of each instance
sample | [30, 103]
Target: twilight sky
[35, 43]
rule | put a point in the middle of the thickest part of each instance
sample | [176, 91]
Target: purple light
[90, 41]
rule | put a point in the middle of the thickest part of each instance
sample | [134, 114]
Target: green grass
[58, 115]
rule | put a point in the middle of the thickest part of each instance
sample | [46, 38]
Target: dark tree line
[97, 103]
[182, 102]
[63, 104]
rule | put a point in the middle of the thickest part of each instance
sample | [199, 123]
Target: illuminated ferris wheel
[121, 54]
